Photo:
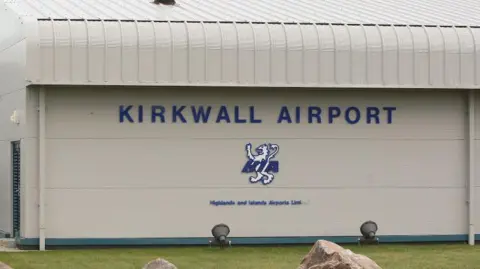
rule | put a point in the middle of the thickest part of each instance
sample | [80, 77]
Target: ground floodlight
[220, 233]
[369, 230]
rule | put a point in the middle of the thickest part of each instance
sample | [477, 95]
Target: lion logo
[261, 163]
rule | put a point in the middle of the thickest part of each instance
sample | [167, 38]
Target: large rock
[328, 255]
[4, 266]
[158, 264]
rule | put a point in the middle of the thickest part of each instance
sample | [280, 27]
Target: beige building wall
[477, 171]
[107, 179]
[12, 100]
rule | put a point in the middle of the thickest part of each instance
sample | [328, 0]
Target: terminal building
[126, 122]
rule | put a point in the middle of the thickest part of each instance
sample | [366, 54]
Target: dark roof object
[165, 2]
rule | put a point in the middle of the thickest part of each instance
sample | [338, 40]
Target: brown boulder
[158, 264]
[328, 255]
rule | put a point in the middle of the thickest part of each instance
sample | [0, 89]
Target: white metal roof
[449, 12]
[269, 43]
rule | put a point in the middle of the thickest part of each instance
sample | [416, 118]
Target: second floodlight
[369, 232]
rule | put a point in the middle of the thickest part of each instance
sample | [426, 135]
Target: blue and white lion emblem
[261, 163]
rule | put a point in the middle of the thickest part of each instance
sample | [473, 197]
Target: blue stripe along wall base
[239, 240]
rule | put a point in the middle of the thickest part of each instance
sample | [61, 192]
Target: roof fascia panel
[254, 54]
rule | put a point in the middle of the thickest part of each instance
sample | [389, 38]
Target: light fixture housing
[220, 233]
[368, 229]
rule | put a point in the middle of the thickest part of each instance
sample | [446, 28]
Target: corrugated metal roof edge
[273, 22]
[388, 62]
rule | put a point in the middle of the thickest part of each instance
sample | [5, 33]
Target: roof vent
[164, 2]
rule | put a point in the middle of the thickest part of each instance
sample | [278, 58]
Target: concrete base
[8, 244]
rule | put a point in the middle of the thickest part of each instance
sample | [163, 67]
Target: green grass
[387, 256]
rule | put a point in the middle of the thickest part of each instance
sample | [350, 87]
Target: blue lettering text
[352, 118]
[333, 113]
[177, 113]
[237, 116]
[223, 114]
[124, 112]
[284, 115]
[158, 111]
[140, 113]
[201, 114]
[314, 112]
[252, 115]
[373, 113]
[389, 113]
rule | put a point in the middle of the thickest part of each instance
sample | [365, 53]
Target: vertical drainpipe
[471, 166]
[42, 174]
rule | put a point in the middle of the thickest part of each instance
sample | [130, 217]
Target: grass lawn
[387, 256]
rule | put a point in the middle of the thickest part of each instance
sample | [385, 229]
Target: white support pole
[471, 166]
[42, 174]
